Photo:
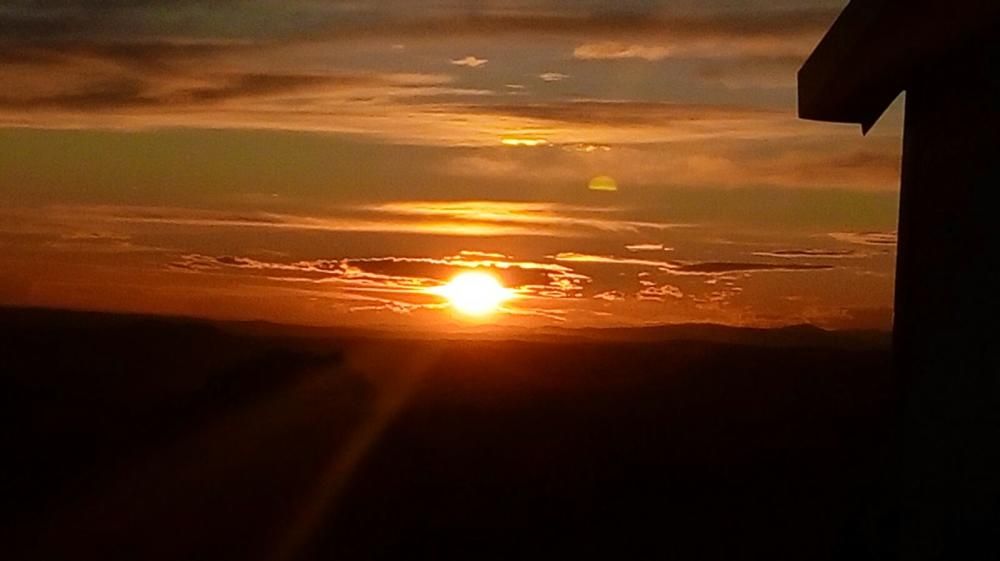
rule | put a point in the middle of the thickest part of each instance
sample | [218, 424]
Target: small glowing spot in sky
[603, 183]
[510, 141]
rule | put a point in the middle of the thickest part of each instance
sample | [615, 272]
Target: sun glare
[475, 293]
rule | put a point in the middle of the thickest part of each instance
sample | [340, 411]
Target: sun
[475, 293]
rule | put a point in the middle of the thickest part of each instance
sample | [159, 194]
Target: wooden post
[946, 339]
[946, 57]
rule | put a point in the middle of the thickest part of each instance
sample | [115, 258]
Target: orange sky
[330, 163]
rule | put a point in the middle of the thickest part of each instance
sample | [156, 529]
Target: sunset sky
[335, 162]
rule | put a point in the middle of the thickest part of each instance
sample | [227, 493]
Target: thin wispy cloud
[470, 62]
[610, 296]
[681, 267]
[880, 239]
[560, 216]
[813, 253]
[405, 109]
[659, 292]
[693, 161]
[553, 76]
[402, 19]
[432, 218]
[722, 268]
[614, 50]
[639, 247]
[572, 257]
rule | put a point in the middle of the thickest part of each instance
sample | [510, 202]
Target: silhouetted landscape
[141, 437]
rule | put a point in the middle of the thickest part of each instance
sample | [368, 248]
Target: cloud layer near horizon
[626, 286]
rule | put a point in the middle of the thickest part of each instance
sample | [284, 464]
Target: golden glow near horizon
[474, 293]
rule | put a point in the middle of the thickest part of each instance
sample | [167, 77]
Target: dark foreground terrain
[137, 438]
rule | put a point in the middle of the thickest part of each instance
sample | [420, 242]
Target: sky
[331, 162]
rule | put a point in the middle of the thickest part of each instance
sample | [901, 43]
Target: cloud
[658, 293]
[142, 56]
[467, 254]
[138, 80]
[625, 113]
[358, 221]
[880, 239]
[553, 76]
[572, 257]
[402, 108]
[688, 267]
[245, 65]
[175, 75]
[749, 72]
[96, 237]
[553, 215]
[762, 25]
[512, 273]
[470, 62]
[722, 267]
[433, 218]
[610, 296]
[390, 20]
[414, 276]
[635, 248]
[100, 242]
[816, 253]
[129, 94]
[789, 166]
[767, 35]
[394, 306]
[612, 50]
[730, 160]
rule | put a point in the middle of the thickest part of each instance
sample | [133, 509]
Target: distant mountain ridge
[790, 335]
[801, 335]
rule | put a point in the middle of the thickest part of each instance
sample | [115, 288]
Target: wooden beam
[871, 52]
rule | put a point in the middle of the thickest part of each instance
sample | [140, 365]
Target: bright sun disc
[475, 293]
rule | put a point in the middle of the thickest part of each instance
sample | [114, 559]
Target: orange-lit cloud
[553, 215]
[437, 218]
[881, 239]
[678, 267]
[813, 253]
[571, 257]
[787, 163]
[610, 296]
[611, 50]
[470, 61]
[553, 76]
[400, 275]
[723, 268]
[659, 292]
[635, 248]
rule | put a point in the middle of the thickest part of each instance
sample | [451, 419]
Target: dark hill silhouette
[135, 437]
